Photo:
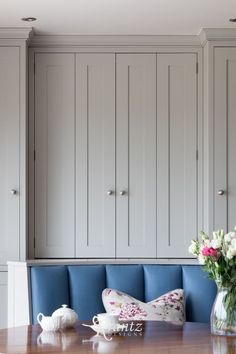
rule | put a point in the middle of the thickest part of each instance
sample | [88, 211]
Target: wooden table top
[155, 337]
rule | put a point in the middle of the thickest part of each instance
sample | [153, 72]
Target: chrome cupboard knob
[122, 192]
[13, 191]
[109, 192]
[221, 192]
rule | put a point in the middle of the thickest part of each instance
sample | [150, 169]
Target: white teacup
[106, 321]
[49, 323]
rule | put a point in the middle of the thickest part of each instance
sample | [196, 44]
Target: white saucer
[101, 331]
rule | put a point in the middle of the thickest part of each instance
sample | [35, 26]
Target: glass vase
[223, 314]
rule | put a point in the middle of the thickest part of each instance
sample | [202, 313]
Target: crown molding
[217, 34]
[63, 40]
[23, 33]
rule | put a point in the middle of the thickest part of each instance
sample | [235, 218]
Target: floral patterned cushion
[168, 307]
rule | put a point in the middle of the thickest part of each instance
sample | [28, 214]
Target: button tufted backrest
[80, 286]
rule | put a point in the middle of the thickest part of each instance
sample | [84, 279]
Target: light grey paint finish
[3, 299]
[224, 138]
[136, 155]
[9, 153]
[208, 133]
[95, 155]
[31, 171]
[23, 152]
[55, 155]
[176, 153]
[110, 41]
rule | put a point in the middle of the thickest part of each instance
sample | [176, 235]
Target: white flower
[207, 243]
[233, 244]
[193, 248]
[231, 253]
[216, 243]
[201, 259]
[227, 237]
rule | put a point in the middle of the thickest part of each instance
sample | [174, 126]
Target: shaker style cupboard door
[136, 155]
[9, 153]
[176, 154]
[55, 155]
[95, 155]
[3, 299]
[224, 173]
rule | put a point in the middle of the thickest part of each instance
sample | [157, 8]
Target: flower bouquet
[218, 258]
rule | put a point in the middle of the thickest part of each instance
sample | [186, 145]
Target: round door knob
[122, 192]
[109, 192]
[13, 191]
[221, 192]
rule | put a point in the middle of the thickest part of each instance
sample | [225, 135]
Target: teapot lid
[63, 310]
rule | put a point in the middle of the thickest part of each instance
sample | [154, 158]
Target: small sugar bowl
[69, 316]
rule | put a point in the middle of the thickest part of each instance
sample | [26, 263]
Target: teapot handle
[38, 317]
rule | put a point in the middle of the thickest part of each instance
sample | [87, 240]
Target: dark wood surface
[156, 337]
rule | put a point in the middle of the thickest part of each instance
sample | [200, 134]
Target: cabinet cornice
[62, 40]
[23, 33]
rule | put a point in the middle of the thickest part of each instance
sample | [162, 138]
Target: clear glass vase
[223, 314]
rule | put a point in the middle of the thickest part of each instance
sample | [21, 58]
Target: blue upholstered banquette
[80, 286]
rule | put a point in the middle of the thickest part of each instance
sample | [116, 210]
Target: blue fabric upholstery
[50, 289]
[199, 292]
[80, 286]
[86, 286]
[159, 279]
[126, 278]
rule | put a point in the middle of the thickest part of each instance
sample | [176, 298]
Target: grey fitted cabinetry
[9, 153]
[116, 137]
[95, 155]
[177, 144]
[224, 142]
[13, 162]
[136, 155]
[55, 155]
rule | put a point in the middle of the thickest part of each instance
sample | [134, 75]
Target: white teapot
[69, 316]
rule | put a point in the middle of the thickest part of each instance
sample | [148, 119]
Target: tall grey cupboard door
[176, 154]
[95, 155]
[55, 155]
[9, 153]
[224, 173]
[136, 155]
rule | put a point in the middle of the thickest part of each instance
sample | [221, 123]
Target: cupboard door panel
[55, 155]
[95, 155]
[176, 154]
[224, 176]
[136, 155]
[9, 153]
[3, 299]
